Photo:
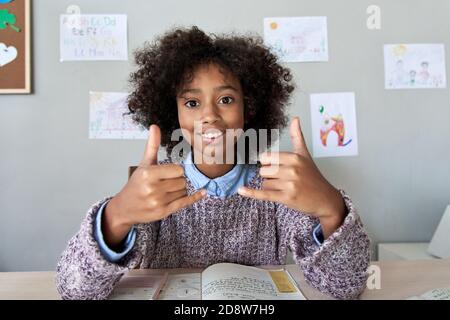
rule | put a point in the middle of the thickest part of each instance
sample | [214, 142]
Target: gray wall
[50, 172]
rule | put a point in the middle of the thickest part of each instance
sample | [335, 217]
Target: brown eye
[226, 100]
[191, 104]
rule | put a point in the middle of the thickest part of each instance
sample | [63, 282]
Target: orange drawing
[332, 123]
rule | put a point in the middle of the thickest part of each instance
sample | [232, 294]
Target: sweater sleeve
[84, 273]
[111, 254]
[337, 267]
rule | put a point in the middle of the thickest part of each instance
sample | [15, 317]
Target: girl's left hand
[293, 179]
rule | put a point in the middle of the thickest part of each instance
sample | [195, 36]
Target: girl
[192, 214]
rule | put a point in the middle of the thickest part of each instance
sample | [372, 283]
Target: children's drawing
[334, 124]
[7, 54]
[297, 39]
[93, 37]
[108, 118]
[414, 66]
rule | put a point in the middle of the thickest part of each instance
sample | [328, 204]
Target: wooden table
[399, 280]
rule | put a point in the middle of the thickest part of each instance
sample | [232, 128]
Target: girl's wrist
[114, 227]
[332, 216]
[333, 206]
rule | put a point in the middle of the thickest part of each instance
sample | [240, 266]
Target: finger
[272, 184]
[172, 185]
[269, 195]
[186, 201]
[168, 171]
[297, 139]
[151, 148]
[277, 172]
[172, 196]
[278, 158]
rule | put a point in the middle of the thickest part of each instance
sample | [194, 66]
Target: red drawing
[335, 124]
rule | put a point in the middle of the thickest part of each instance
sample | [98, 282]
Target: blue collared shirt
[222, 187]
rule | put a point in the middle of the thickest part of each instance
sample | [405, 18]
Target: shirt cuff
[318, 234]
[108, 253]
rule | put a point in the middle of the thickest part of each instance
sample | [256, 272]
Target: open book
[222, 281]
[234, 281]
[435, 294]
[139, 287]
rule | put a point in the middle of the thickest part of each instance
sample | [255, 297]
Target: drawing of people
[399, 75]
[424, 74]
[412, 78]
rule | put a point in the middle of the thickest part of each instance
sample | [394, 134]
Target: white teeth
[212, 135]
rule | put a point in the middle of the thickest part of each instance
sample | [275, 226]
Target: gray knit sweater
[236, 229]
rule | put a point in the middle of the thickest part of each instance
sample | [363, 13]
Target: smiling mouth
[211, 136]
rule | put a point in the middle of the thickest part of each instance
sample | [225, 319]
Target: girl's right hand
[152, 193]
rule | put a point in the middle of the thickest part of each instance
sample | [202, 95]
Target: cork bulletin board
[15, 32]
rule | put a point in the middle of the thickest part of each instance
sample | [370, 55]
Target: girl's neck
[213, 171]
[210, 169]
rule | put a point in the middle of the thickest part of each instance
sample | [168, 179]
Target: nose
[210, 113]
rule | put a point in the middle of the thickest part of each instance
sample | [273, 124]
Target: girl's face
[207, 106]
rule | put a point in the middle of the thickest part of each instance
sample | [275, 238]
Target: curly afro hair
[166, 64]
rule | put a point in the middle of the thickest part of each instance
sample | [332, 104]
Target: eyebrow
[221, 88]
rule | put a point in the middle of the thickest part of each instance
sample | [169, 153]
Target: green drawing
[321, 109]
[6, 19]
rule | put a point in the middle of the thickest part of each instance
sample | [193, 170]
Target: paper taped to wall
[108, 118]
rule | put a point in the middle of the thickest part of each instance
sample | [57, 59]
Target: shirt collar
[199, 180]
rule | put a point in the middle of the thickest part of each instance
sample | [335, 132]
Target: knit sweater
[236, 229]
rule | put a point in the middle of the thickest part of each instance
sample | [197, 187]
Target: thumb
[152, 146]
[298, 142]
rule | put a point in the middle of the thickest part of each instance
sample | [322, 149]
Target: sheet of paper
[439, 245]
[93, 37]
[227, 281]
[107, 118]
[186, 286]
[297, 39]
[333, 119]
[414, 66]
[138, 288]
[435, 294]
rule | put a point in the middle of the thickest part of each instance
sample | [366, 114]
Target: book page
[185, 286]
[435, 294]
[138, 287]
[238, 282]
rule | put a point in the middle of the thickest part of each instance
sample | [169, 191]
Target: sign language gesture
[152, 193]
[292, 178]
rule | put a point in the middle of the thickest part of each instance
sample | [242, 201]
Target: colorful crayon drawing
[414, 66]
[334, 124]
